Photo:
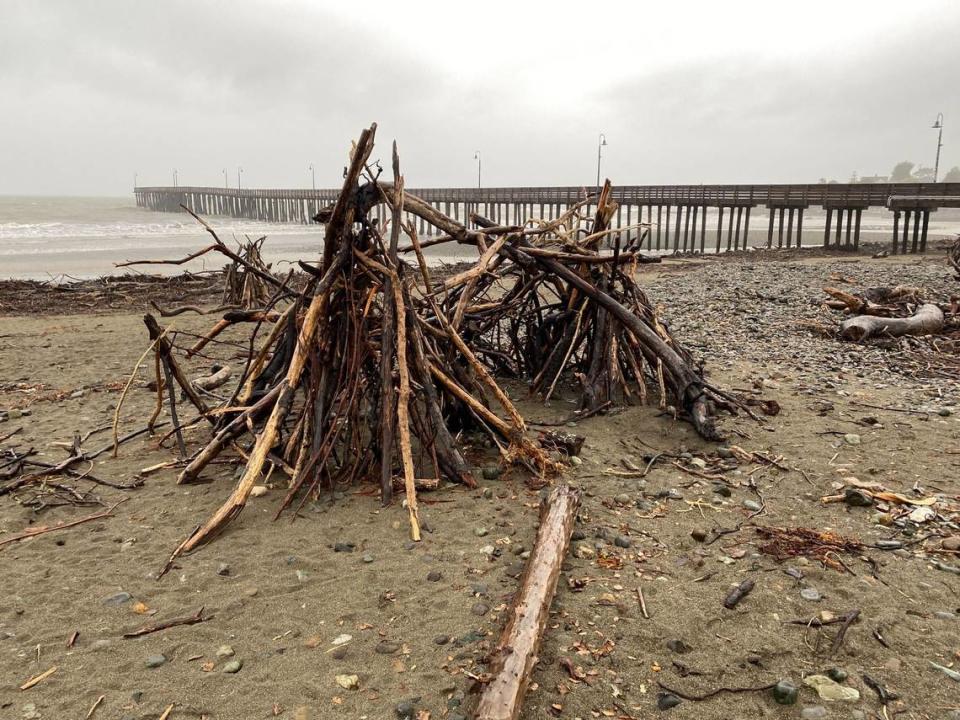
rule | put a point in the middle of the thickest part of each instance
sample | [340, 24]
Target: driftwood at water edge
[516, 652]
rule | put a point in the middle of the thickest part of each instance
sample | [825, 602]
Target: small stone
[258, 491]
[301, 576]
[837, 674]
[851, 439]
[386, 647]
[752, 505]
[944, 412]
[785, 692]
[487, 493]
[699, 534]
[622, 541]
[678, 646]
[344, 547]
[224, 651]
[724, 452]
[699, 463]
[342, 639]
[951, 543]
[814, 712]
[488, 550]
[479, 589]
[136, 696]
[577, 534]
[405, 710]
[155, 661]
[348, 682]
[944, 615]
[480, 531]
[340, 653]
[888, 544]
[518, 549]
[223, 569]
[441, 640]
[623, 499]
[856, 497]
[811, 594]
[368, 558]
[101, 644]
[666, 700]
[831, 690]
[722, 490]
[434, 576]
[575, 460]
[491, 472]
[584, 551]
[480, 608]
[119, 599]
[233, 667]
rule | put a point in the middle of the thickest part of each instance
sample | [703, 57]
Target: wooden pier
[683, 218]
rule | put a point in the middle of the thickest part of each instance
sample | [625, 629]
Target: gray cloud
[95, 91]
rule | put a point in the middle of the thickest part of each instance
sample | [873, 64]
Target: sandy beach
[341, 591]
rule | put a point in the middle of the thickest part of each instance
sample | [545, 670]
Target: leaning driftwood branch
[926, 321]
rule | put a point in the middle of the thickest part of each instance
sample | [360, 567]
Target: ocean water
[63, 237]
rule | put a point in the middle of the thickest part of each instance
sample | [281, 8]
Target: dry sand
[286, 595]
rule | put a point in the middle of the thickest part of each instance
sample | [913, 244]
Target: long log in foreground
[927, 320]
[516, 653]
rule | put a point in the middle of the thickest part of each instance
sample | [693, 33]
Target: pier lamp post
[313, 177]
[239, 173]
[938, 125]
[175, 177]
[226, 182]
[601, 143]
[135, 180]
[476, 156]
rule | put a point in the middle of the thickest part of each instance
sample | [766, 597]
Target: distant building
[874, 179]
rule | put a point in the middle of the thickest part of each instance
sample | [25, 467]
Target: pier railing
[677, 212]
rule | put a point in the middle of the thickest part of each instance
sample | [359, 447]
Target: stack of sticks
[374, 369]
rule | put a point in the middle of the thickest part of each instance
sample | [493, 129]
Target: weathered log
[516, 652]
[926, 321]
[214, 379]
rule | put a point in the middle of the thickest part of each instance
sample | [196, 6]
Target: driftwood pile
[376, 370]
[243, 288]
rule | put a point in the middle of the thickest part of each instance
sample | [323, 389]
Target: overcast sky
[686, 92]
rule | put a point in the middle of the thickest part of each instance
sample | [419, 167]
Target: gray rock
[344, 547]
[491, 472]
[857, 498]
[785, 692]
[480, 531]
[724, 452]
[575, 460]
[224, 651]
[102, 644]
[405, 710]
[851, 439]
[434, 576]
[487, 493]
[666, 700]
[944, 615]
[622, 541]
[518, 549]
[480, 608]
[811, 594]
[368, 558]
[155, 661]
[623, 499]
[387, 647]
[119, 599]
[233, 667]
[223, 569]
[837, 674]
[814, 712]
[577, 534]
[441, 640]
[136, 696]
[479, 589]
[752, 505]
[678, 646]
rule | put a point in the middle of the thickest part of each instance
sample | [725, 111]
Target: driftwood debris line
[890, 312]
[374, 369]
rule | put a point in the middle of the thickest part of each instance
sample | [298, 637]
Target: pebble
[301, 576]
[233, 666]
[699, 534]
[386, 647]
[342, 639]
[576, 460]
[224, 651]
[348, 682]
[944, 412]
[479, 589]
[584, 551]
[488, 550]
[491, 472]
[487, 493]
[785, 692]
[480, 531]
[136, 696]
[223, 569]
[368, 558]
[405, 710]
[752, 505]
[666, 700]
[623, 499]
[347, 547]
[441, 640]
[951, 543]
[811, 594]
[518, 549]
[944, 615]
[831, 690]
[102, 644]
[119, 599]
[857, 498]
[258, 491]
[622, 541]
[434, 576]
[814, 712]
[678, 646]
[888, 544]
[480, 608]
[851, 439]
[837, 674]
[577, 534]
[155, 661]
[724, 452]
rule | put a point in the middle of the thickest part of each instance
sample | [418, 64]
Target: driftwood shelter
[372, 369]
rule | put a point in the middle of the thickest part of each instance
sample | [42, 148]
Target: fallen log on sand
[926, 321]
[516, 652]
